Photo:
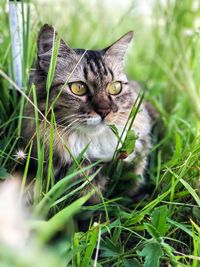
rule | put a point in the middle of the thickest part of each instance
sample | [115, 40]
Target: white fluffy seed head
[95, 224]
[20, 155]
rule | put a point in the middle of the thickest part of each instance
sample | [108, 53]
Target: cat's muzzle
[93, 121]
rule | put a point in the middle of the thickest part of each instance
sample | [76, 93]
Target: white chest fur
[102, 144]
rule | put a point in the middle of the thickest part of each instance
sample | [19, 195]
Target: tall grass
[161, 230]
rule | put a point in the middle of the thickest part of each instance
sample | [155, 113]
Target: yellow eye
[78, 88]
[114, 88]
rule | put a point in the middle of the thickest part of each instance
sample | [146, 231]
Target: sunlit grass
[161, 230]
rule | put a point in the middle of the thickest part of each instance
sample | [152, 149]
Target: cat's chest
[101, 146]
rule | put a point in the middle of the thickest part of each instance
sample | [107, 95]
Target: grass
[161, 230]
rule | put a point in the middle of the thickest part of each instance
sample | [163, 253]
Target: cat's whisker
[69, 125]
[66, 131]
[66, 120]
[63, 128]
[66, 124]
[72, 115]
[66, 117]
[71, 129]
[119, 117]
[122, 117]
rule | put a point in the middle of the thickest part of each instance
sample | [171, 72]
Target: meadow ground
[161, 230]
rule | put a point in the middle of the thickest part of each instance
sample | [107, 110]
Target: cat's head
[96, 90]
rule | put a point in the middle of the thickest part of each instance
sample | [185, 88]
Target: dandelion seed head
[20, 155]
[95, 224]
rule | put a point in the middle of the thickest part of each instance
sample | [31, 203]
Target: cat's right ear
[118, 49]
[46, 37]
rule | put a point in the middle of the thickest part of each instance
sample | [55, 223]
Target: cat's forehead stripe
[99, 74]
[95, 64]
[105, 70]
[91, 67]
[94, 68]
[85, 73]
[111, 73]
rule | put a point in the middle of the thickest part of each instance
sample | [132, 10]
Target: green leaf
[152, 231]
[3, 173]
[129, 142]
[152, 253]
[159, 219]
[115, 130]
[147, 209]
[131, 263]
[109, 249]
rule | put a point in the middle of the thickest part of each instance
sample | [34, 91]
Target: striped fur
[78, 121]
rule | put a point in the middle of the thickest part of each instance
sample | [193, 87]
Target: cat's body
[97, 95]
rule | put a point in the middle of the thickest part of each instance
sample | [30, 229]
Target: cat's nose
[103, 112]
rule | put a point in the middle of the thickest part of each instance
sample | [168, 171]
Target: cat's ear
[46, 37]
[119, 47]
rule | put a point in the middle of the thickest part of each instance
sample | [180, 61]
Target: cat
[97, 94]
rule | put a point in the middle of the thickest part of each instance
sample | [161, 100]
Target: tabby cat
[96, 94]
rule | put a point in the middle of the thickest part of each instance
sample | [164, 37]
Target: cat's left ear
[119, 47]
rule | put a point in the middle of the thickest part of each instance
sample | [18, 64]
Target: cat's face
[96, 91]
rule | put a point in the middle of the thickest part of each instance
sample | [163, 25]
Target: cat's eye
[114, 88]
[78, 88]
